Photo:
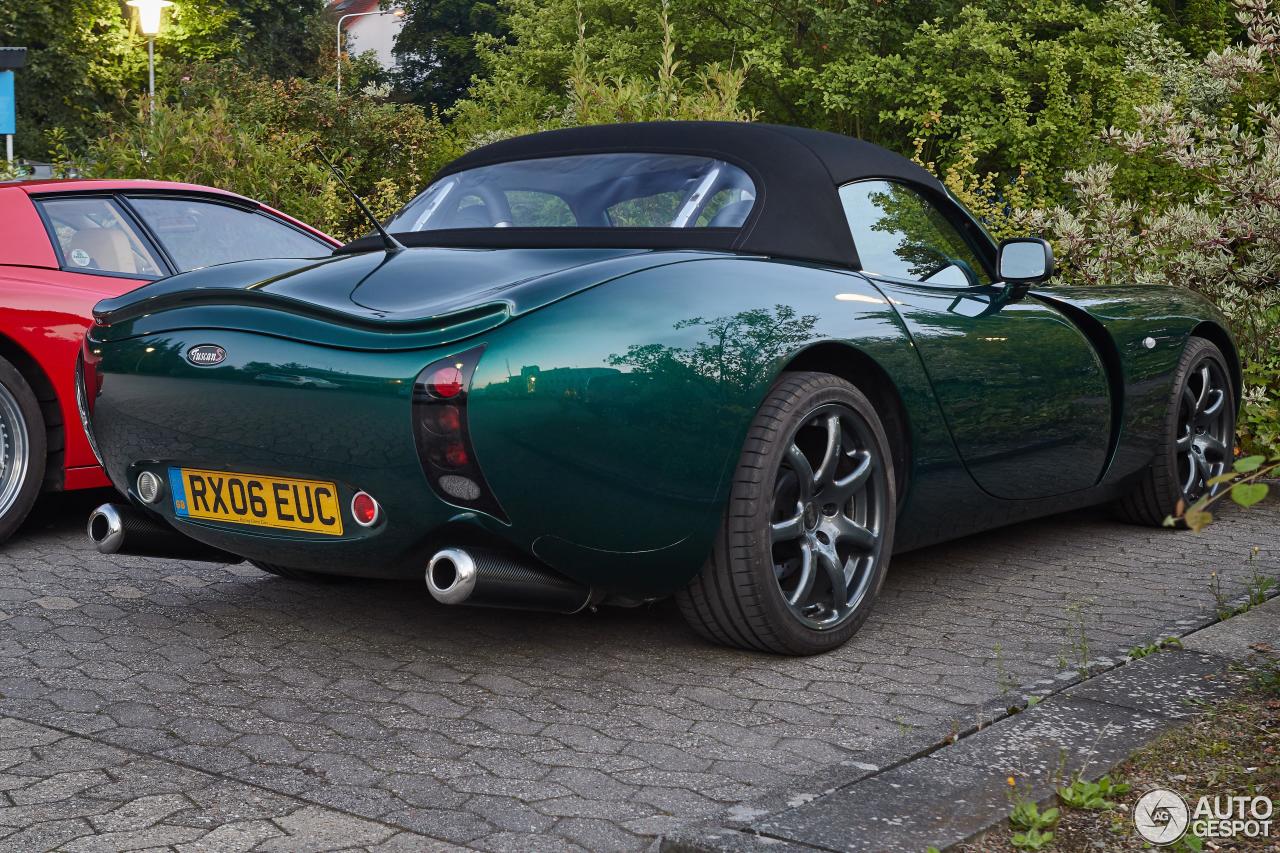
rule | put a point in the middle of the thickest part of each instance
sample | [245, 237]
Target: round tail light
[364, 509]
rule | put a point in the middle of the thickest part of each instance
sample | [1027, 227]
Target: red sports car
[66, 244]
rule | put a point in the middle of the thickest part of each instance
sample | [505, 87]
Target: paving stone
[893, 812]
[1169, 684]
[441, 726]
[1056, 739]
[315, 829]
[1236, 638]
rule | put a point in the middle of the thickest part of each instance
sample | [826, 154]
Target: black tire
[297, 574]
[1170, 478]
[738, 598]
[23, 449]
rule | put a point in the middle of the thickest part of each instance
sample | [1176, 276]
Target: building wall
[374, 32]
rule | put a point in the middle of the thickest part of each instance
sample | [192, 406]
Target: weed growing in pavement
[1256, 593]
[1139, 652]
[1032, 828]
[1077, 638]
[1260, 587]
[1003, 680]
[1093, 796]
[1220, 602]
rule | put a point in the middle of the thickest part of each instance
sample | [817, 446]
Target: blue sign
[8, 121]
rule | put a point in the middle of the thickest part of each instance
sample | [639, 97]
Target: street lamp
[149, 24]
[399, 13]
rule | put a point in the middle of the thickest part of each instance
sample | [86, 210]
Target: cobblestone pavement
[188, 706]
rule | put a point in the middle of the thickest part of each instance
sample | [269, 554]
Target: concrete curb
[941, 794]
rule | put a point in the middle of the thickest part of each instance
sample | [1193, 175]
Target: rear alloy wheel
[22, 449]
[807, 536]
[1199, 438]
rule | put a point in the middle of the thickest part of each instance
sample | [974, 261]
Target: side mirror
[1024, 261]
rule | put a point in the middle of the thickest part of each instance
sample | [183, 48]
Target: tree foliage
[436, 49]
[86, 57]
[233, 129]
[1215, 224]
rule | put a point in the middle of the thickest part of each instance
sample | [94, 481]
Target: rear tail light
[440, 430]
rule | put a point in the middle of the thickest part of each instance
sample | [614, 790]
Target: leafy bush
[584, 93]
[1214, 226]
[246, 133]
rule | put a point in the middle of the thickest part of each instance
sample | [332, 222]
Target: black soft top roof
[797, 173]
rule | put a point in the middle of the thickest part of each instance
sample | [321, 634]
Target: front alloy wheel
[1197, 442]
[808, 533]
[1204, 427]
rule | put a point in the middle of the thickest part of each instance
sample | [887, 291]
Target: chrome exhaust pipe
[120, 529]
[490, 579]
[106, 529]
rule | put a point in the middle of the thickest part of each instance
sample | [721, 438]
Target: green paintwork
[615, 391]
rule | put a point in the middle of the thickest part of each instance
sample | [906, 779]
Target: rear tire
[23, 449]
[808, 532]
[1197, 440]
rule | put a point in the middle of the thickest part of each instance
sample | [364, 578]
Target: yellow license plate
[278, 502]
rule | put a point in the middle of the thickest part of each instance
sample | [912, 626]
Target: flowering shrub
[1214, 225]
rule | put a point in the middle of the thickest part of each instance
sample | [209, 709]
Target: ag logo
[1161, 816]
[206, 355]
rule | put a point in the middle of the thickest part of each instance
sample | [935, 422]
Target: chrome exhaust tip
[124, 530]
[451, 576]
[487, 578]
[106, 529]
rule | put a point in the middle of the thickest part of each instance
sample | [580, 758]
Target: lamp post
[149, 24]
[399, 13]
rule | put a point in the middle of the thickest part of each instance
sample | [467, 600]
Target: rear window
[199, 233]
[586, 191]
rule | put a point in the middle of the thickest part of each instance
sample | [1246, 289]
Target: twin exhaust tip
[453, 575]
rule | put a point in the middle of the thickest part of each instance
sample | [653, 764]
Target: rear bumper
[276, 408]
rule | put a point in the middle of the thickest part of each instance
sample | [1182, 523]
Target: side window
[93, 235]
[899, 233]
[202, 233]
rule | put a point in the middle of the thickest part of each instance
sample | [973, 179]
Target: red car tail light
[440, 430]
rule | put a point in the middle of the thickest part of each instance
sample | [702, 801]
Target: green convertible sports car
[739, 364]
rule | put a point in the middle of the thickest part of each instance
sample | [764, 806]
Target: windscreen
[631, 190]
